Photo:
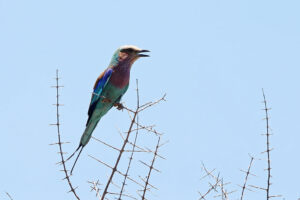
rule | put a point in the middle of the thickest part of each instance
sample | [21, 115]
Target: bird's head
[128, 53]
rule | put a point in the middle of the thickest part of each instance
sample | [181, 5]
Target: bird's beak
[140, 53]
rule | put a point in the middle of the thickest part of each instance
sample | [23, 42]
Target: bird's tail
[74, 153]
[87, 134]
[80, 146]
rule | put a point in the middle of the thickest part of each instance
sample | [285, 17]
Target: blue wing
[98, 87]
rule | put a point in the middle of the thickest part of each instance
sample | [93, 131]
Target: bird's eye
[130, 50]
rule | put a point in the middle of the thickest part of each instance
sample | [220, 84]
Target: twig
[115, 148]
[153, 103]
[125, 195]
[134, 143]
[95, 187]
[150, 170]
[9, 196]
[105, 164]
[224, 193]
[148, 183]
[268, 145]
[212, 187]
[119, 156]
[149, 129]
[67, 177]
[246, 177]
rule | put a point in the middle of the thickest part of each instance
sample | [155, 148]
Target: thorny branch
[9, 196]
[216, 178]
[134, 143]
[218, 184]
[105, 164]
[268, 146]
[212, 187]
[224, 194]
[151, 167]
[95, 187]
[246, 177]
[267, 118]
[67, 177]
[147, 105]
[114, 168]
[119, 157]
[134, 148]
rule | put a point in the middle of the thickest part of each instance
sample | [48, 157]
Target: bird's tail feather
[80, 146]
[87, 134]
[74, 152]
[83, 141]
[76, 158]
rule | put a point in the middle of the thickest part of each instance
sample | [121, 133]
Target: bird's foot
[119, 106]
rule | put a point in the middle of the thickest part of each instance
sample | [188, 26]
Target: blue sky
[212, 58]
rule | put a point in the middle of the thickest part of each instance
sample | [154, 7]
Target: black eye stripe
[129, 50]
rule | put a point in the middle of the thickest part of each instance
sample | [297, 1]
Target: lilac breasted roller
[109, 88]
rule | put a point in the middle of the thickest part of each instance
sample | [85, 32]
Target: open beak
[140, 53]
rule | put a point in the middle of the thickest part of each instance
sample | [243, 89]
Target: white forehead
[130, 46]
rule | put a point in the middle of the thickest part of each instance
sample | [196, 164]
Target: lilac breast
[120, 75]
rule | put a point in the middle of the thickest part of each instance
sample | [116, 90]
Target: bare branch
[268, 145]
[246, 177]
[153, 103]
[150, 169]
[212, 187]
[9, 196]
[67, 177]
[224, 193]
[119, 156]
[134, 143]
[98, 140]
[105, 164]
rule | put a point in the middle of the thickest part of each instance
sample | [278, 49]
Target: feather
[98, 88]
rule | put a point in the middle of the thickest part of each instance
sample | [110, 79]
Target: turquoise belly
[109, 96]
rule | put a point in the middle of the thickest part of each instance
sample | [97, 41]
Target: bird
[108, 90]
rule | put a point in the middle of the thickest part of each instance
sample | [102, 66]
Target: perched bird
[109, 88]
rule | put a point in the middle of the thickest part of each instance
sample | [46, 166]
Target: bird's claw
[119, 106]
